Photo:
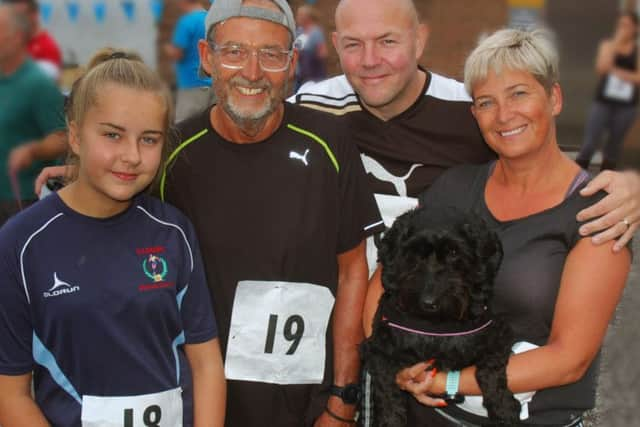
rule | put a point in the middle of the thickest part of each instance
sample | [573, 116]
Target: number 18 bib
[277, 332]
[147, 410]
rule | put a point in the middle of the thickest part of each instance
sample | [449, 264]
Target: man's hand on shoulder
[616, 216]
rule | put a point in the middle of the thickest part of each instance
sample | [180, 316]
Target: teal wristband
[453, 383]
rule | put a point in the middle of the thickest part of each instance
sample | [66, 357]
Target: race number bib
[278, 332]
[390, 208]
[618, 89]
[146, 410]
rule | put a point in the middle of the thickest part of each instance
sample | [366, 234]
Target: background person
[193, 93]
[31, 119]
[43, 48]
[549, 273]
[104, 295]
[614, 108]
[311, 45]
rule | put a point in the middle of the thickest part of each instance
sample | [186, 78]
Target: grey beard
[251, 125]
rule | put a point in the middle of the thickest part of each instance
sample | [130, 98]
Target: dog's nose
[428, 305]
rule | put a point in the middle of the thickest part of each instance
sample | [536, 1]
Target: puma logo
[301, 157]
[379, 172]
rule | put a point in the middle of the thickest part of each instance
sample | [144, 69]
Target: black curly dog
[438, 268]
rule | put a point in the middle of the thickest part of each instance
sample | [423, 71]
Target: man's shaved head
[379, 44]
[407, 6]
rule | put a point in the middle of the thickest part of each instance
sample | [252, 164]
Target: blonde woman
[557, 290]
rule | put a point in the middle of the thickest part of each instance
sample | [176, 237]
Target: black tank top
[615, 92]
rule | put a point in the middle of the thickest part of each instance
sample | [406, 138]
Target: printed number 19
[150, 417]
[289, 333]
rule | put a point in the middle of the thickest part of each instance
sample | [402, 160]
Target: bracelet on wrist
[452, 385]
[339, 418]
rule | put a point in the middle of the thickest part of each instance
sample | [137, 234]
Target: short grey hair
[533, 51]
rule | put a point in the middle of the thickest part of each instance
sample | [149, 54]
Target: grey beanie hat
[221, 10]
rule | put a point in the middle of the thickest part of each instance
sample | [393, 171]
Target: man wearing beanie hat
[282, 208]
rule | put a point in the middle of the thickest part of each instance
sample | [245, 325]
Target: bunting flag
[129, 8]
[46, 10]
[100, 11]
[73, 10]
[156, 9]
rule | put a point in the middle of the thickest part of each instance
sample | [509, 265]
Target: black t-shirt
[405, 154]
[278, 210]
[526, 286]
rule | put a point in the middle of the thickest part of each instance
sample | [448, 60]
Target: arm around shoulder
[616, 216]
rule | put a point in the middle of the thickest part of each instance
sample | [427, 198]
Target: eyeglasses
[236, 56]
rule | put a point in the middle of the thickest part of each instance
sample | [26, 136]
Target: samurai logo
[152, 264]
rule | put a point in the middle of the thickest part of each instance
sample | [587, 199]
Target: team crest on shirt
[155, 267]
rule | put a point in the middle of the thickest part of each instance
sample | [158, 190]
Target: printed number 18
[150, 417]
[289, 333]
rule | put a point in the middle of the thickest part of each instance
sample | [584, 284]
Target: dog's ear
[492, 250]
[488, 246]
[487, 249]
[390, 247]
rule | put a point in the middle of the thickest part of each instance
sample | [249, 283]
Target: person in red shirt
[42, 47]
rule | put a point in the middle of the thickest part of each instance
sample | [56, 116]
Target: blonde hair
[121, 67]
[533, 51]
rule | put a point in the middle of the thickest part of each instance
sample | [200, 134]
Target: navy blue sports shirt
[101, 307]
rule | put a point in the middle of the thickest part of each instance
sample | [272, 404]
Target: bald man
[411, 124]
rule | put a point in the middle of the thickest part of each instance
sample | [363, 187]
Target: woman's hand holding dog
[422, 381]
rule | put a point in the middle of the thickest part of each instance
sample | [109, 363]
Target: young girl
[103, 297]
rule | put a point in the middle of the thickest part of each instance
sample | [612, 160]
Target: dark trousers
[613, 119]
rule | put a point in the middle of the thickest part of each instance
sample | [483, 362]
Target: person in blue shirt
[311, 46]
[103, 301]
[193, 93]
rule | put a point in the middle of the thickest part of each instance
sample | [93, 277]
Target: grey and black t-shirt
[526, 287]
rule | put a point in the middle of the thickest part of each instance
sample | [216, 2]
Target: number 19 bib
[277, 332]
